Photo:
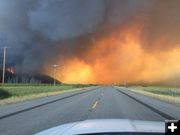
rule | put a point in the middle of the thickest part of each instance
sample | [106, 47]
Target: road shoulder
[12, 109]
[167, 108]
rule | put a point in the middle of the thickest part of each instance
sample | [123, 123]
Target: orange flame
[11, 70]
[120, 57]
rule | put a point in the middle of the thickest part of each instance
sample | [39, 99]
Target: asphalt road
[100, 103]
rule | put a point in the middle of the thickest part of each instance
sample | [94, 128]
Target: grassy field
[165, 93]
[21, 92]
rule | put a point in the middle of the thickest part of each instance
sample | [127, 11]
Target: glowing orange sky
[120, 57]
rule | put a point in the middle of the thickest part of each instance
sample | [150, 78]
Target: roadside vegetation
[12, 93]
[165, 93]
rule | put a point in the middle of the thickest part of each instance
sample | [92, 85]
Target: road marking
[43, 104]
[94, 105]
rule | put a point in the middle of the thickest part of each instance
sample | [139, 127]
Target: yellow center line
[94, 105]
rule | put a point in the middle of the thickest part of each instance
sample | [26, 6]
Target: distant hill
[27, 78]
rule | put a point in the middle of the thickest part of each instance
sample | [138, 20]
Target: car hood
[106, 125]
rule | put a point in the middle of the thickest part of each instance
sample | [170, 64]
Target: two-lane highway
[101, 103]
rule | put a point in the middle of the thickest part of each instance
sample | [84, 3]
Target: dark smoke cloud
[40, 30]
[59, 19]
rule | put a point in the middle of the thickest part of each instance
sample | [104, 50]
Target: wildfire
[11, 70]
[119, 57]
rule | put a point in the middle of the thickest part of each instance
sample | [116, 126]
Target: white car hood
[106, 125]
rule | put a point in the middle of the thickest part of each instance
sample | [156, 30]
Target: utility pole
[54, 72]
[4, 64]
[125, 84]
[175, 83]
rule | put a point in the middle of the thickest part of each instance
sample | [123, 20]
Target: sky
[93, 41]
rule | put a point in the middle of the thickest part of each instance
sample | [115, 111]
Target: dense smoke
[44, 32]
[32, 27]
[163, 22]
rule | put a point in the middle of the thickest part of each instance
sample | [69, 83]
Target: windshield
[66, 61]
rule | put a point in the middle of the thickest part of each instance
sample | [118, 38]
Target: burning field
[105, 41]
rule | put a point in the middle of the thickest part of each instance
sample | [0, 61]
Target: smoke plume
[93, 41]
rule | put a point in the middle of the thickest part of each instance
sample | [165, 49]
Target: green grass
[14, 93]
[161, 90]
[166, 93]
[4, 94]
[21, 90]
[28, 90]
[173, 93]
